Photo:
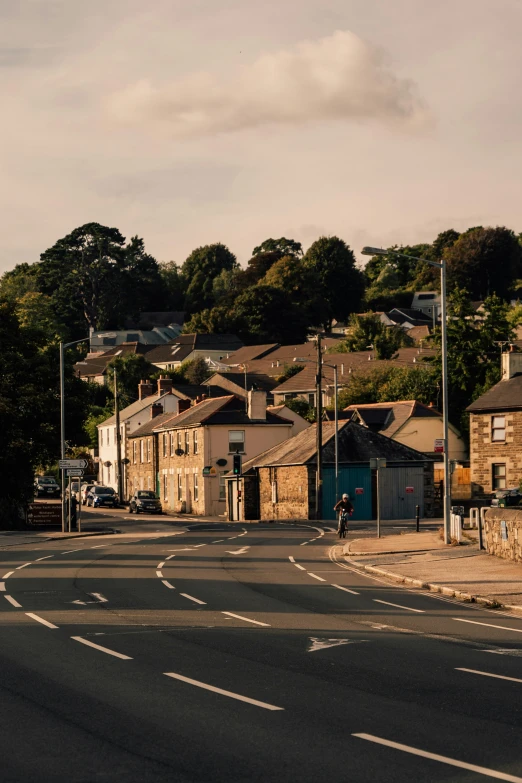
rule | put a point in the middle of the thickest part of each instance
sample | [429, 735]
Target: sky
[188, 122]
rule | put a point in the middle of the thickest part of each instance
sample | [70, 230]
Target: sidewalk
[423, 560]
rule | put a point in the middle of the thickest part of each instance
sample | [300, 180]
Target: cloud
[337, 78]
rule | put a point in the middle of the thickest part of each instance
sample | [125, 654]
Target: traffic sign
[73, 463]
[438, 446]
[74, 472]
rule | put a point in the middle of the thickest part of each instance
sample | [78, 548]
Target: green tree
[302, 408]
[130, 370]
[264, 314]
[17, 282]
[391, 384]
[200, 269]
[484, 261]
[282, 246]
[289, 371]
[339, 284]
[368, 331]
[197, 371]
[174, 285]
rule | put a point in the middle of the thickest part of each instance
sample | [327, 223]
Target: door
[233, 511]
[401, 489]
[356, 481]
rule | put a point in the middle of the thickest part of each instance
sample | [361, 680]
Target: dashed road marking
[488, 625]
[346, 589]
[101, 649]
[18, 568]
[9, 573]
[486, 674]
[246, 619]
[41, 620]
[191, 598]
[43, 558]
[319, 578]
[167, 584]
[70, 551]
[12, 601]
[398, 606]
[222, 692]
[159, 574]
[160, 565]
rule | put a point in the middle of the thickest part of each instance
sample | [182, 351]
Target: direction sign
[73, 463]
[74, 472]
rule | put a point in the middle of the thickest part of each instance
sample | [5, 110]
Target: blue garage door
[350, 479]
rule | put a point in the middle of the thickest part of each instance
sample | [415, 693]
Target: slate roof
[388, 417]
[415, 317]
[250, 352]
[134, 407]
[97, 365]
[262, 382]
[181, 347]
[356, 444]
[221, 410]
[189, 391]
[149, 426]
[506, 395]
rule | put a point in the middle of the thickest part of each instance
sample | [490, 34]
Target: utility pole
[62, 433]
[336, 414]
[319, 432]
[119, 477]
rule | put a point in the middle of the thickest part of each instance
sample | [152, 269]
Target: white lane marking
[300, 567]
[346, 590]
[516, 653]
[22, 566]
[2, 587]
[331, 529]
[40, 620]
[246, 619]
[484, 674]
[219, 541]
[160, 565]
[158, 573]
[191, 598]
[398, 606]
[170, 557]
[488, 625]
[222, 692]
[319, 530]
[492, 773]
[321, 643]
[167, 584]
[12, 601]
[99, 546]
[43, 558]
[101, 649]
[100, 598]
[304, 543]
[291, 559]
[319, 578]
[184, 549]
[70, 551]
[196, 546]
[239, 551]
[9, 573]
[243, 534]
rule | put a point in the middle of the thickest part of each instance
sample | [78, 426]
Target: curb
[459, 595]
[87, 534]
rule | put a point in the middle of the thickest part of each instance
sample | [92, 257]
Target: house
[239, 383]
[101, 341]
[94, 367]
[427, 302]
[281, 483]
[185, 457]
[409, 422]
[408, 317]
[149, 404]
[187, 347]
[496, 431]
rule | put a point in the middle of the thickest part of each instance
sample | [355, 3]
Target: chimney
[164, 385]
[183, 405]
[511, 365]
[257, 405]
[156, 409]
[145, 389]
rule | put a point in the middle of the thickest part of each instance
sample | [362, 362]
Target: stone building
[496, 432]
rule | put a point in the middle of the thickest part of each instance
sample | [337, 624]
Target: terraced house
[186, 457]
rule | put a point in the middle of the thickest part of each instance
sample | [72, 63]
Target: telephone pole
[319, 432]
[119, 476]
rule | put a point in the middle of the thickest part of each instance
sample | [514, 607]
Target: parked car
[84, 491]
[102, 496]
[507, 497]
[46, 486]
[145, 500]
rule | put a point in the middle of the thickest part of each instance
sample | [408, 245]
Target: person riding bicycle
[345, 509]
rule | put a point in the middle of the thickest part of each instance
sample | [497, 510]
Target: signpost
[44, 514]
[377, 463]
[74, 472]
[79, 464]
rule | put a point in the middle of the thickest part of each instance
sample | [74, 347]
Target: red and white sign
[359, 490]
[438, 446]
[409, 490]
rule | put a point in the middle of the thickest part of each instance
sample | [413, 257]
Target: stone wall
[503, 540]
[484, 453]
[292, 492]
[189, 466]
[138, 474]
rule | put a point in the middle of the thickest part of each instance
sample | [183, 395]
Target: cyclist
[345, 509]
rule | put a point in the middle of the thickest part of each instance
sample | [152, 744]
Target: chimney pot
[145, 389]
[164, 385]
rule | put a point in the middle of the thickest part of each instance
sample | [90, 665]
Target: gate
[351, 478]
[401, 489]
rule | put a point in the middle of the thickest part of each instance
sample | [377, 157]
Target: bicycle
[343, 523]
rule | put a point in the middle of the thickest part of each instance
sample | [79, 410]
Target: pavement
[423, 560]
[185, 652]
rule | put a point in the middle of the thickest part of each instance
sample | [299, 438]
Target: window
[187, 442]
[134, 451]
[101, 437]
[498, 428]
[108, 437]
[195, 441]
[179, 440]
[499, 476]
[222, 485]
[149, 483]
[149, 449]
[236, 441]
[311, 400]
[108, 475]
[180, 486]
[142, 458]
[172, 444]
[196, 487]
[165, 444]
[165, 486]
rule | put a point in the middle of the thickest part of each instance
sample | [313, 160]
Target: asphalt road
[213, 652]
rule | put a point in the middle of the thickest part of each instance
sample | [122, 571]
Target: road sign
[44, 514]
[438, 446]
[410, 490]
[74, 472]
[73, 463]
[359, 490]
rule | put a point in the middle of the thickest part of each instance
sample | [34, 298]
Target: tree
[368, 331]
[302, 408]
[197, 371]
[391, 384]
[130, 370]
[289, 371]
[339, 284]
[282, 246]
[174, 285]
[200, 269]
[19, 281]
[484, 261]
[35, 311]
[264, 314]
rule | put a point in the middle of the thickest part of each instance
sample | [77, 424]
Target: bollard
[474, 518]
[480, 526]
[417, 517]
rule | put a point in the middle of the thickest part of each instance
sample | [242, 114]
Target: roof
[97, 365]
[190, 391]
[220, 410]
[419, 332]
[249, 352]
[415, 317]
[133, 408]
[150, 425]
[388, 417]
[181, 347]
[356, 444]
[261, 382]
[505, 395]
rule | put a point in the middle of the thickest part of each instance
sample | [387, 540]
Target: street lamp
[63, 346]
[379, 251]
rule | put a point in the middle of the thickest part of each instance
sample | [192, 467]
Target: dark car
[145, 500]
[46, 486]
[102, 496]
[507, 497]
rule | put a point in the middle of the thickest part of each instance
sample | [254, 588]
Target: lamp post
[379, 251]
[63, 346]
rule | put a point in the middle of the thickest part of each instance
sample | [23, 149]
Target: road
[213, 652]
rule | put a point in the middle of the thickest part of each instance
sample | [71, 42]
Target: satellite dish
[125, 461]
[221, 462]
[179, 452]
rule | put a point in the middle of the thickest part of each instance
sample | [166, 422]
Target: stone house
[496, 432]
[186, 456]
